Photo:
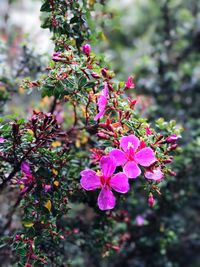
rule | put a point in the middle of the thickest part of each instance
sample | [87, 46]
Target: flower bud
[148, 131]
[151, 200]
[172, 138]
[103, 135]
[95, 75]
[172, 147]
[18, 237]
[168, 160]
[129, 83]
[104, 72]
[86, 49]
[172, 173]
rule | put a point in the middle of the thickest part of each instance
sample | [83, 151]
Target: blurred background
[158, 41]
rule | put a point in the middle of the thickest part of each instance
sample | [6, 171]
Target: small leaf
[27, 224]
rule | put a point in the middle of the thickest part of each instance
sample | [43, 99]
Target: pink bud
[172, 147]
[103, 135]
[104, 72]
[86, 49]
[172, 173]
[172, 138]
[132, 102]
[151, 200]
[95, 75]
[18, 237]
[129, 83]
[142, 145]
[148, 131]
[167, 160]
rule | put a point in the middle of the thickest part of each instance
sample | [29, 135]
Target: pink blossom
[106, 181]
[172, 138]
[154, 174]
[102, 102]
[47, 188]
[86, 49]
[59, 116]
[25, 168]
[139, 220]
[2, 140]
[27, 178]
[130, 155]
[129, 83]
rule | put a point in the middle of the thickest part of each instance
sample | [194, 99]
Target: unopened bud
[172, 173]
[151, 200]
[172, 147]
[167, 160]
[172, 138]
[95, 75]
[103, 135]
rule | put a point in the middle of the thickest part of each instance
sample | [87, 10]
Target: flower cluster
[131, 154]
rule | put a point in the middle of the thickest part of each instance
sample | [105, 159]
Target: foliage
[41, 158]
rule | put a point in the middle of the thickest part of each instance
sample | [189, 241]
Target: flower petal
[102, 102]
[25, 168]
[131, 169]
[89, 180]
[118, 156]
[127, 140]
[106, 199]
[145, 157]
[119, 182]
[155, 174]
[108, 166]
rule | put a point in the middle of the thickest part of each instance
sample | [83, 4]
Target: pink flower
[130, 155]
[172, 138]
[2, 140]
[129, 83]
[154, 174]
[106, 181]
[139, 220]
[86, 49]
[25, 168]
[102, 102]
[27, 178]
[59, 116]
[47, 188]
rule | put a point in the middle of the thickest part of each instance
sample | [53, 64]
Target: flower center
[130, 152]
[105, 180]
